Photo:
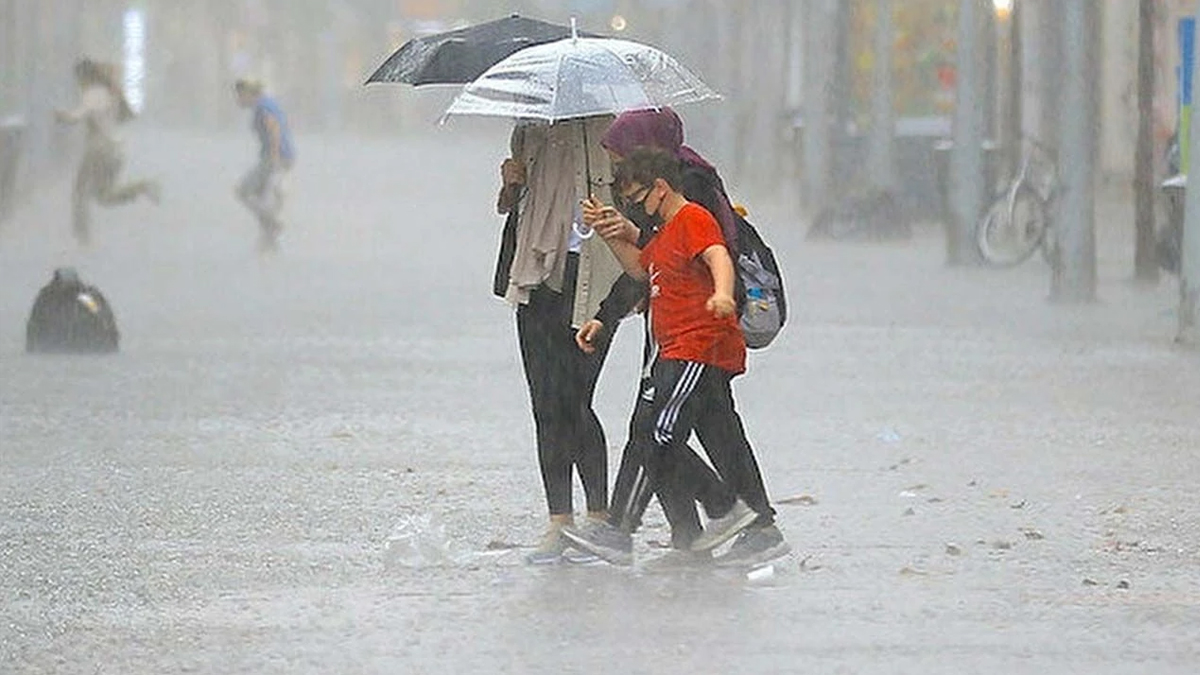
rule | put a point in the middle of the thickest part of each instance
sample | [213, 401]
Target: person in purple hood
[663, 129]
[701, 184]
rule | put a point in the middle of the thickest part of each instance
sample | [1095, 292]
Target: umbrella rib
[519, 86]
[558, 81]
[628, 68]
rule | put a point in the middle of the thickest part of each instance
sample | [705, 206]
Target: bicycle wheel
[1012, 229]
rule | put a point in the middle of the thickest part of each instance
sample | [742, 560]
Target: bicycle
[1019, 219]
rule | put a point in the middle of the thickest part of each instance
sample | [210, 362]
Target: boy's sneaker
[604, 540]
[679, 560]
[755, 546]
[721, 530]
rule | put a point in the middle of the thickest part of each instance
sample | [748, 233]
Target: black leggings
[562, 380]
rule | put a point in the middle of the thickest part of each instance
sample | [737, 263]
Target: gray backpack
[762, 307]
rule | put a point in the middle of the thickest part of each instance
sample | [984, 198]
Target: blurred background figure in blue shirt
[261, 190]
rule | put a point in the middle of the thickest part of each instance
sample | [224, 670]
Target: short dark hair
[89, 71]
[646, 164]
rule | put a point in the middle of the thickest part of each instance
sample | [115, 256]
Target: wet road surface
[983, 482]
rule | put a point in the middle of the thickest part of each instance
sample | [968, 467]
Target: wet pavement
[976, 480]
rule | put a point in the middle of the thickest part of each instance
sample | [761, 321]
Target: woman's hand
[512, 172]
[587, 333]
[721, 305]
[512, 176]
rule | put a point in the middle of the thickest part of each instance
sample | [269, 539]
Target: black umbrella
[460, 56]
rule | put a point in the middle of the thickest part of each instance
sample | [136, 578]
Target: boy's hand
[614, 226]
[593, 211]
[512, 172]
[588, 332]
[721, 305]
[608, 221]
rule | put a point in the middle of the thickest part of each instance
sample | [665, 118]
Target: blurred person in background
[102, 109]
[261, 189]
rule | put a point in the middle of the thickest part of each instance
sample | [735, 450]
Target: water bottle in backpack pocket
[762, 303]
[761, 315]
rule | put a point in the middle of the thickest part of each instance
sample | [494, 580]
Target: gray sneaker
[721, 530]
[677, 560]
[604, 540]
[755, 546]
[578, 556]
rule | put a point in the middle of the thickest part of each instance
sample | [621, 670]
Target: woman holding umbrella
[555, 278]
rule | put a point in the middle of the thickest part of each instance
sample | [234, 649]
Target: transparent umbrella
[580, 77]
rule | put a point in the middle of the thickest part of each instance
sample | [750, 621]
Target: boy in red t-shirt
[700, 348]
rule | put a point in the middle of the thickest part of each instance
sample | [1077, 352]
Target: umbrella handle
[587, 157]
[583, 233]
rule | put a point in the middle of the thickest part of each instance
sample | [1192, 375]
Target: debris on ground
[806, 566]
[798, 500]
[500, 545]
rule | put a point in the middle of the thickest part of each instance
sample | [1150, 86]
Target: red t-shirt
[680, 285]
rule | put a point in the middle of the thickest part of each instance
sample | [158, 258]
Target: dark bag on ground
[70, 317]
[758, 289]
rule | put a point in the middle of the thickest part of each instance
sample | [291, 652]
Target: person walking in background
[102, 109]
[556, 274]
[261, 189]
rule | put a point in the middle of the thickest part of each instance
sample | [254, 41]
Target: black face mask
[635, 211]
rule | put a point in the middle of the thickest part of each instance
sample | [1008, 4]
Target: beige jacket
[557, 161]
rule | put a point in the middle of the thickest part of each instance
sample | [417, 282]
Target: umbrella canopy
[460, 56]
[580, 77]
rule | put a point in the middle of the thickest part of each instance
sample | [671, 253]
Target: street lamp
[1003, 8]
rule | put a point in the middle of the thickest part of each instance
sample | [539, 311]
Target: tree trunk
[1145, 266]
